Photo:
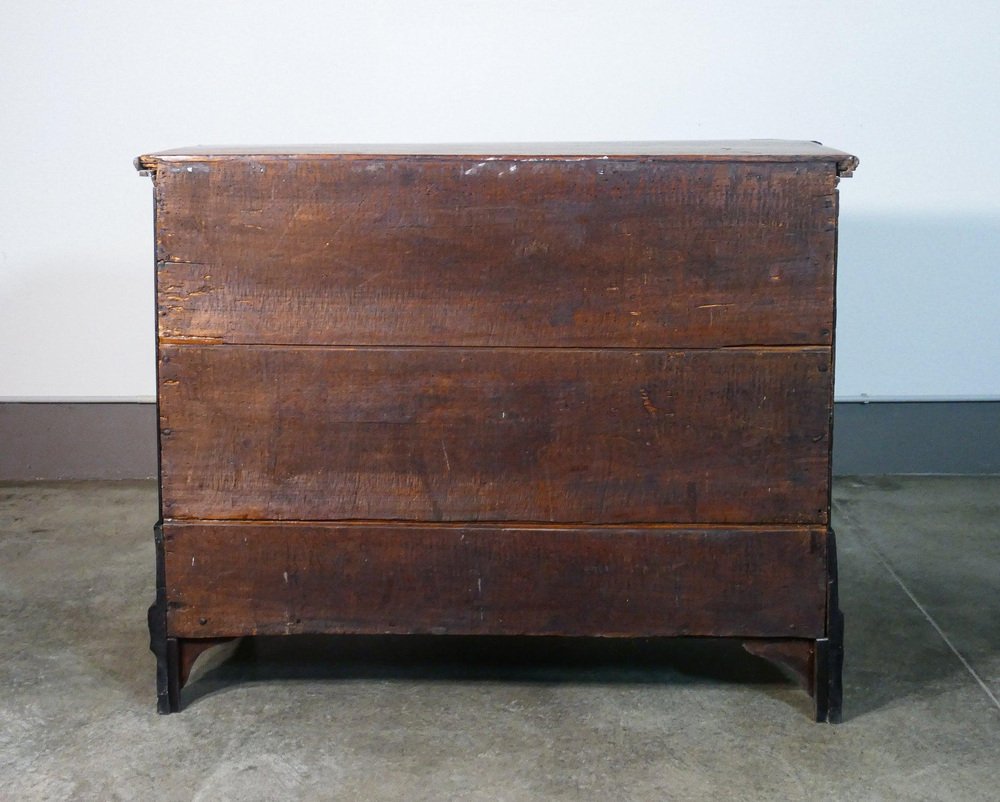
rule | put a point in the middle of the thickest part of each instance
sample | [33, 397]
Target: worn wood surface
[444, 434]
[726, 150]
[516, 252]
[379, 366]
[268, 578]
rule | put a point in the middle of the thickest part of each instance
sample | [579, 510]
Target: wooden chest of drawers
[517, 390]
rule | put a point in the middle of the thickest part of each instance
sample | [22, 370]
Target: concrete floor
[443, 718]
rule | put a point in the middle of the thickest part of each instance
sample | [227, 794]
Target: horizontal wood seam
[563, 526]
[203, 341]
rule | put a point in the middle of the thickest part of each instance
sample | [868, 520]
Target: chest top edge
[747, 150]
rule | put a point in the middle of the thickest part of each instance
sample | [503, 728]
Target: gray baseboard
[118, 440]
[75, 440]
[942, 437]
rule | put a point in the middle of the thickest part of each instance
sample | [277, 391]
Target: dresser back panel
[579, 389]
[455, 434]
[509, 251]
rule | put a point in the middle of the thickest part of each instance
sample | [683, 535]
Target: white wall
[910, 87]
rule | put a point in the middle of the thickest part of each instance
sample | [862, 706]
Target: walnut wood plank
[453, 434]
[514, 251]
[227, 579]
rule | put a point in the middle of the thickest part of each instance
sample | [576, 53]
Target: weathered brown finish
[697, 150]
[524, 252]
[229, 579]
[448, 434]
[575, 389]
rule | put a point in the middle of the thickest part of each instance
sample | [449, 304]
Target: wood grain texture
[751, 150]
[515, 251]
[230, 579]
[571, 389]
[453, 434]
